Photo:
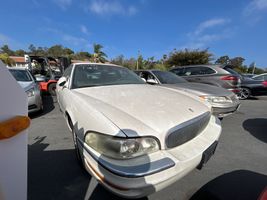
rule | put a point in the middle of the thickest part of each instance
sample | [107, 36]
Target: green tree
[19, 52]
[55, 50]
[119, 60]
[32, 49]
[81, 56]
[140, 63]
[4, 57]
[130, 63]
[160, 66]
[188, 57]
[237, 62]
[99, 55]
[224, 60]
[5, 49]
[68, 51]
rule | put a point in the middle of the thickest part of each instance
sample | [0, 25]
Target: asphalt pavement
[238, 170]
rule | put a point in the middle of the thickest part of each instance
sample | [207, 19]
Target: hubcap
[244, 93]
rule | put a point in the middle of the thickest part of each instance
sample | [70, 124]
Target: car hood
[200, 89]
[142, 109]
[26, 85]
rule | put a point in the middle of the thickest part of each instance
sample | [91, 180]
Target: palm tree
[99, 55]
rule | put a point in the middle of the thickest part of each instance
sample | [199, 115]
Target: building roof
[18, 59]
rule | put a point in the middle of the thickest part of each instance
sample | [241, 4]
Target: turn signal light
[13, 126]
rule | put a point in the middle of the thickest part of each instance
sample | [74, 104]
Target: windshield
[86, 75]
[21, 75]
[168, 77]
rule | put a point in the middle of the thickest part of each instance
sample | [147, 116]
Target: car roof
[90, 63]
[204, 65]
[149, 70]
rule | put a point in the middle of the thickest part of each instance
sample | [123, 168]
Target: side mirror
[62, 81]
[152, 81]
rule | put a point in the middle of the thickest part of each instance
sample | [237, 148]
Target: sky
[150, 27]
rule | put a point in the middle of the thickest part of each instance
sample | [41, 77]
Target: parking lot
[54, 173]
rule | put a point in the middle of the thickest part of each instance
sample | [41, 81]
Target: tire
[52, 89]
[244, 93]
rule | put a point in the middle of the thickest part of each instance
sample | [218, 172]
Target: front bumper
[144, 175]
[225, 111]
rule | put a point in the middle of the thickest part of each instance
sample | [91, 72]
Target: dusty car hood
[142, 109]
[26, 85]
[200, 89]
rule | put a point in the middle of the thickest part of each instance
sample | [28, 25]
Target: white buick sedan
[134, 138]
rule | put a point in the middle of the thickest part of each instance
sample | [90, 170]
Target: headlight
[30, 92]
[121, 148]
[214, 99]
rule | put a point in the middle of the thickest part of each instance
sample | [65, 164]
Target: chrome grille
[187, 130]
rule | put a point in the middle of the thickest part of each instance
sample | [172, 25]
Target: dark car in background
[223, 102]
[214, 75]
[249, 86]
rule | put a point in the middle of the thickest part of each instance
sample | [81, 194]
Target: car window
[168, 77]
[68, 71]
[190, 71]
[21, 75]
[178, 71]
[89, 75]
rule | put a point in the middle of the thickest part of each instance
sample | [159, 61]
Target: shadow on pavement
[48, 103]
[252, 98]
[56, 174]
[257, 127]
[240, 184]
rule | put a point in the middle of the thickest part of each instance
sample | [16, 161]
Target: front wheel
[52, 89]
[244, 93]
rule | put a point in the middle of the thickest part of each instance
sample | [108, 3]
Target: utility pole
[137, 62]
[254, 66]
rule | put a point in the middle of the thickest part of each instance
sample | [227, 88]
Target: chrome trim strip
[187, 123]
[132, 171]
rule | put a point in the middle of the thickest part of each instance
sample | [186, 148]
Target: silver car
[30, 86]
[224, 102]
